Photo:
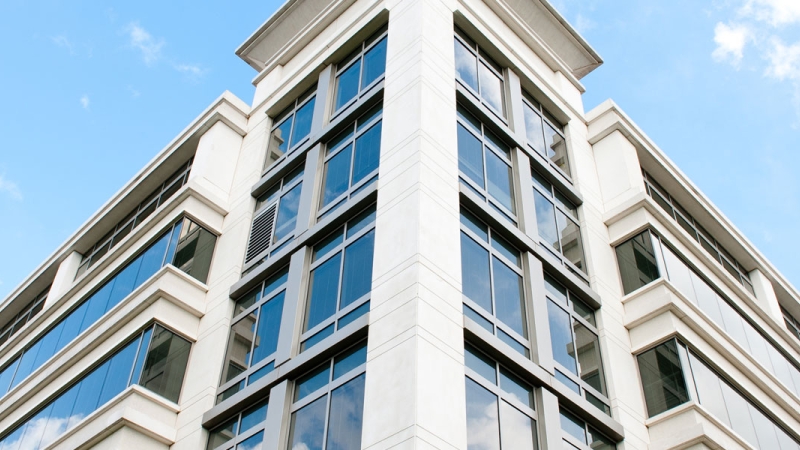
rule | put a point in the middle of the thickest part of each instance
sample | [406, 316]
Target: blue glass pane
[491, 87]
[253, 417]
[48, 348]
[508, 297]
[173, 241]
[269, 326]
[474, 225]
[346, 416]
[251, 443]
[566, 381]
[517, 430]
[119, 372]
[546, 220]
[466, 65]
[61, 418]
[484, 366]
[287, 213]
[152, 259]
[97, 305]
[374, 63]
[500, 185]
[275, 281]
[12, 441]
[33, 432]
[324, 287]
[357, 275]
[347, 84]
[72, 325]
[123, 283]
[6, 375]
[475, 273]
[26, 363]
[308, 426]
[353, 315]
[472, 314]
[561, 337]
[511, 342]
[470, 155]
[573, 426]
[368, 152]
[349, 360]
[361, 221]
[329, 243]
[282, 134]
[315, 339]
[337, 175]
[144, 344]
[505, 249]
[312, 381]
[483, 428]
[517, 388]
[260, 373]
[89, 392]
[302, 126]
[533, 129]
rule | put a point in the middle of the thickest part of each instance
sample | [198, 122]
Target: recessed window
[244, 431]
[557, 222]
[575, 345]
[328, 404]
[792, 324]
[545, 134]
[275, 218]
[351, 160]
[577, 434]
[501, 410]
[484, 164]
[155, 359]
[491, 274]
[340, 282]
[360, 70]
[637, 262]
[662, 378]
[479, 73]
[291, 127]
[254, 335]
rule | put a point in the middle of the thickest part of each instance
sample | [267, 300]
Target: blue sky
[94, 90]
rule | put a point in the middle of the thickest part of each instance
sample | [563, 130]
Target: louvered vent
[261, 232]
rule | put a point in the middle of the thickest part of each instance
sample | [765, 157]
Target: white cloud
[773, 12]
[190, 69]
[143, 41]
[63, 42]
[10, 188]
[784, 60]
[85, 101]
[730, 40]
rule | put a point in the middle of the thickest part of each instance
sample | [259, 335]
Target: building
[414, 237]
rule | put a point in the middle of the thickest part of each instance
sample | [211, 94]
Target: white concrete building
[414, 237]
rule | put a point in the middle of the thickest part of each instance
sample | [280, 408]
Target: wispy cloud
[142, 41]
[192, 71]
[85, 101]
[730, 40]
[63, 42]
[10, 188]
[774, 12]
[784, 60]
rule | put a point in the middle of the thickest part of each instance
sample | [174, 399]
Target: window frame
[31, 309]
[792, 324]
[308, 96]
[530, 102]
[357, 56]
[588, 431]
[239, 436]
[481, 58]
[491, 318]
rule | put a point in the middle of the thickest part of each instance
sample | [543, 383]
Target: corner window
[491, 274]
[244, 431]
[254, 335]
[360, 70]
[155, 359]
[577, 434]
[557, 222]
[484, 164]
[575, 345]
[351, 160]
[662, 378]
[291, 127]
[637, 262]
[340, 282]
[500, 406]
[328, 405]
[479, 73]
[275, 219]
[545, 135]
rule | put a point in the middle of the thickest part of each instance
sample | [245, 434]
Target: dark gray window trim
[295, 367]
[28, 312]
[525, 243]
[792, 324]
[537, 376]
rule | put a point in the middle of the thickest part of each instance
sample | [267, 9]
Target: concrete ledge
[689, 425]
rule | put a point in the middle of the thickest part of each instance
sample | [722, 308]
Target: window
[276, 216]
[254, 335]
[135, 217]
[291, 127]
[557, 222]
[791, 324]
[484, 164]
[341, 279]
[351, 160]
[479, 73]
[500, 406]
[637, 262]
[328, 407]
[360, 70]
[244, 431]
[580, 435]
[491, 275]
[28, 312]
[679, 370]
[545, 135]
[709, 244]
[155, 359]
[185, 245]
[576, 348]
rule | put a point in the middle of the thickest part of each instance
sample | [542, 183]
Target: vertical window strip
[545, 135]
[291, 128]
[558, 225]
[479, 74]
[791, 323]
[697, 232]
[155, 359]
[135, 218]
[360, 71]
[23, 317]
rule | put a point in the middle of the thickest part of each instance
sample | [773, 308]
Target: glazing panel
[124, 283]
[357, 276]
[466, 65]
[347, 84]
[240, 342]
[353, 315]
[500, 184]
[708, 300]
[679, 275]
[324, 287]
[474, 225]
[739, 413]
[47, 344]
[517, 388]
[483, 431]
[165, 365]
[361, 221]
[302, 125]
[637, 262]
[589, 361]
[248, 300]
[269, 326]
[781, 367]
[6, 375]
[508, 297]
[222, 433]
[733, 324]
[33, 431]
[491, 87]
[254, 416]
[287, 213]
[349, 360]
[546, 220]
[709, 390]
[252, 443]
[312, 381]
[61, 418]
[470, 155]
[475, 273]
[346, 416]
[194, 251]
[518, 431]
[571, 243]
[765, 429]
[561, 337]
[504, 248]
[153, 259]
[374, 63]
[368, 152]
[144, 344]
[556, 147]
[337, 175]
[119, 372]
[97, 305]
[308, 426]
[573, 426]
[662, 378]
[479, 363]
[599, 442]
[533, 129]
[279, 140]
[758, 346]
[89, 392]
